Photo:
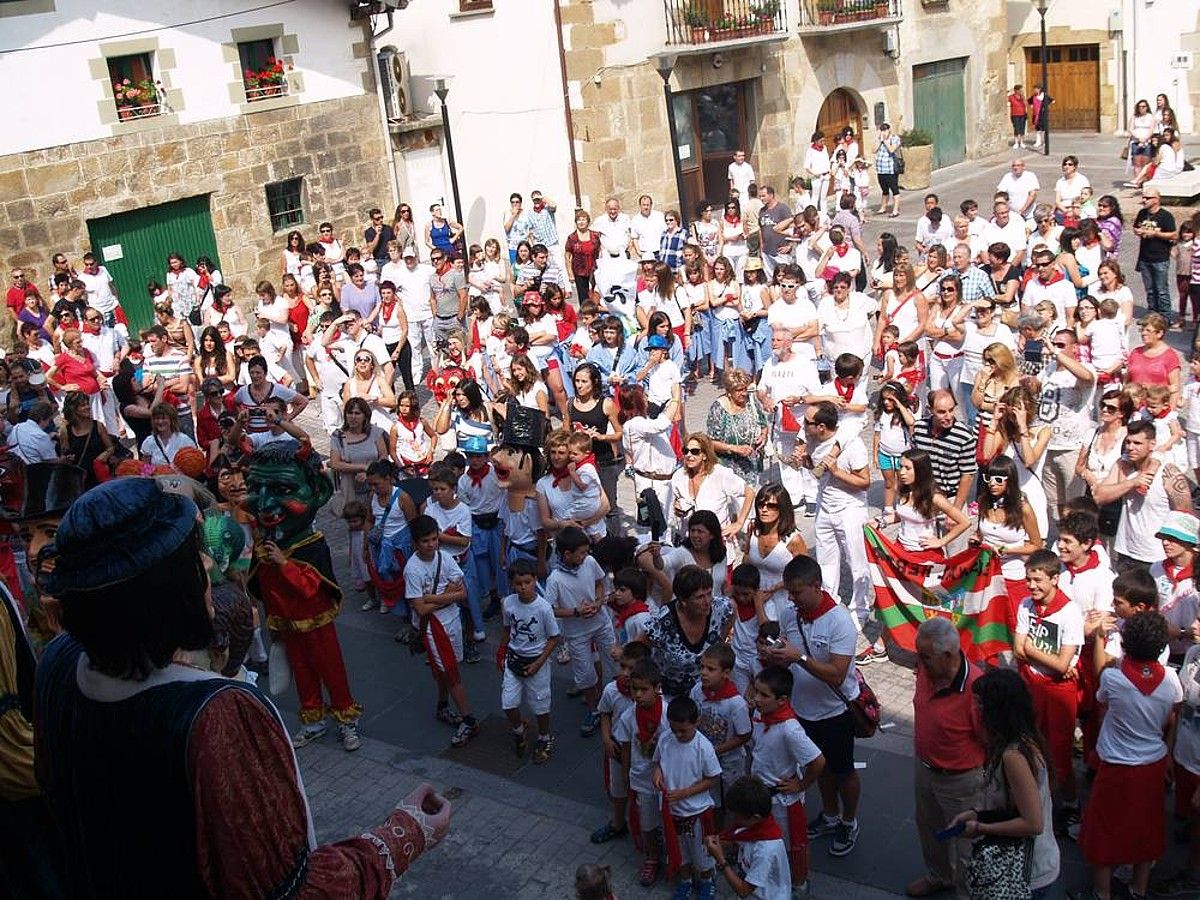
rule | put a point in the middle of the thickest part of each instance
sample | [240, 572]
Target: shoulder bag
[337, 502]
[1000, 867]
[897, 158]
[865, 709]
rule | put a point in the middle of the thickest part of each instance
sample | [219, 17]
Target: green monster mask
[284, 489]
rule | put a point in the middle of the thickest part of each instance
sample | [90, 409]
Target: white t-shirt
[975, 342]
[780, 752]
[152, 452]
[613, 703]
[721, 721]
[832, 634]
[764, 864]
[1060, 292]
[661, 382]
[1187, 737]
[570, 589]
[641, 767]
[521, 527]
[1066, 406]
[795, 316]
[847, 331]
[530, 625]
[1012, 235]
[647, 441]
[419, 581]
[100, 294]
[721, 493]
[741, 174]
[1019, 189]
[1106, 341]
[1091, 589]
[456, 520]
[1132, 731]
[412, 287]
[683, 765]
[614, 233]
[1051, 633]
[833, 494]
[647, 230]
[1069, 190]
[486, 498]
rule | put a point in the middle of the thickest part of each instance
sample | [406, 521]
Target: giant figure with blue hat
[149, 763]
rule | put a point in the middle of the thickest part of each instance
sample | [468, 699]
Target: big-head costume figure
[292, 574]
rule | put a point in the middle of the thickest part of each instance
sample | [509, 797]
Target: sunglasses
[1058, 346]
[995, 479]
[789, 287]
[949, 290]
[93, 319]
[693, 451]
[359, 359]
[1110, 407]
[769, 504]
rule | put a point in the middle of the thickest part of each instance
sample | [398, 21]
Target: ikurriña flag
[967, 588]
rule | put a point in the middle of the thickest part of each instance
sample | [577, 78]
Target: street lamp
[1044, 111]
[442, 89]
[666, 65]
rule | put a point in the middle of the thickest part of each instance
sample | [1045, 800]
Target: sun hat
[753, 263]
[115, 532]
[1182, 527]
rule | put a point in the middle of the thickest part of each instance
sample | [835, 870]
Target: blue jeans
[1158, 294]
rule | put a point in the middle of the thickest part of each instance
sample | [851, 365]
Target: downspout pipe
[562, 65]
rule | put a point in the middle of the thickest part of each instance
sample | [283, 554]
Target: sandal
[448, 716]
[608, 833]
[648, 874]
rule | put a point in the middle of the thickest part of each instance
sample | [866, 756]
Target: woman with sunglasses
[367, 382]
[733, 244]
[997, 373]
[404, 228]
[464, 413]
[293, 253]
[1007, 524]
[1101, 451]
[703, 483]
[1068, 188]
[1111, 224]
[1016, 433]
[773, 540]
[945, 329]
[441, 233]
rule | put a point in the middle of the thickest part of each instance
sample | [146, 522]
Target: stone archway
[842, 107]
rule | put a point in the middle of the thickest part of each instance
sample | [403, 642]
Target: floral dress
[743, 428]
[677, 658]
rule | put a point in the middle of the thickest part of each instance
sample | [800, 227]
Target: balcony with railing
[725, 22]
[832, 16]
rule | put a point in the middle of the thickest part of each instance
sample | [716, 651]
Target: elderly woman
[75, 369]
[691, 623]
[738, 426]
[703, 483]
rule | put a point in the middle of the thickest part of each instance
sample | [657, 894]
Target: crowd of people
[987, 372]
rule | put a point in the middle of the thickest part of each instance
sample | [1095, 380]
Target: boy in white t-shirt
[761, 871]
[454, 519]
[1105, 338]
[433, 585]
[614, 701]
[638, 732]
[847, 390]
[531, 633]
[743, 640]
[786, 760]
[686, 770]
[628, 608]
[724, 717]
[576, 591]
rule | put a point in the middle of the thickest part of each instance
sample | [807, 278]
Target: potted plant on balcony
[723, 28]
[766, 11]
[269, 81]
[881, 9]
[917, 145]
[696, 20]
[136, 99]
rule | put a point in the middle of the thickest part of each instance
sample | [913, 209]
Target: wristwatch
[803, 659]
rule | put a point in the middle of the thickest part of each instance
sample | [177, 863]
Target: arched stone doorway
[841, 108]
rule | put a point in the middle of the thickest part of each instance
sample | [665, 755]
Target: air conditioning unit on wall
[393, 78]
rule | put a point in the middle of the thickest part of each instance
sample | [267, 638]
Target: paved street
[519, 830]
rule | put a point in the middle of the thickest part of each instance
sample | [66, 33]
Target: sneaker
[683, 890]
[869, 654]
[648, 873]
[479, 637]
[844, 839]
[608, 832]
[351, 740]
[810, 509]
[706, 889]
[541, 751]
[1180, 885]
[368, 606]
[447, 716]
[384, 610]
[309, 733]
[465, 732]
[563, 656]
[822, 825]
[521, 741]
[471, 654]
[591, 722]
[1130, 184]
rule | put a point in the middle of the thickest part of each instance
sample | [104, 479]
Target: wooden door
[710, 124]
[839, 110]
[1073, 73]
[939, 107]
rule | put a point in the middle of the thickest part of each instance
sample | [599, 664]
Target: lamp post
[1044, 111]
[442, 90]
[666, 65]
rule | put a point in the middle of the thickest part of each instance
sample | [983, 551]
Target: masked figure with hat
[34, 498]
[147, 761]
[292, 574]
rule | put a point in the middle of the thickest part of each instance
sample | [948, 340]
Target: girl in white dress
[1008, 525]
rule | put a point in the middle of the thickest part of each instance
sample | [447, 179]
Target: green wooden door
[939, 107]
[133, 246]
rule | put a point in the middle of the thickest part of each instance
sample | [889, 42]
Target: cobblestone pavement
[520, 830]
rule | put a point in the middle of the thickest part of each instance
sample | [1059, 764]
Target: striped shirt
[170, 365]
[952, 453]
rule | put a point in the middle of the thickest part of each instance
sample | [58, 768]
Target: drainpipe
[389, 156]
[562, 65]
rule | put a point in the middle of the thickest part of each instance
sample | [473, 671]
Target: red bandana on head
[782, 714]
[827, 603]
[1145, 676]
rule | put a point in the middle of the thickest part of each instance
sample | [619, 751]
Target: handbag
[517, 663]
[999, 868]
[898, 160]
[865, 709]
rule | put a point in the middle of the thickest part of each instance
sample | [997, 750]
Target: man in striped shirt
[950, 445]
[162, 360]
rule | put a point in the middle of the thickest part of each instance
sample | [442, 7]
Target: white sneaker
[309, 733]
[351, 740]
[369, 605]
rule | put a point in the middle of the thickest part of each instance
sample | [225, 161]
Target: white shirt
[614, 233]
[795, 316]
[412, 287]
[661, 382]
[1066, 406]
[1061, 293]
[1012, 235]
[486, 498]
[1106, 340]
[1019, 189]
[721, 721]
[832, 634]
[647, 442]
[1187, 737]
[456, 520]
[530, 625]
[155, 450]
[927, 235]
[721, 493]
[641, 767]
[647, 230]
[570, 589]
[764, 864]
[419, 581]
[100, 294]
[33, 445]
[833, 494]
[1051, 633]
[1090, 589]
[1141, 518]
[521, 527]
[104, 347]
[1132, 731]
[741, 174]
[780, 752]
[975, 342]
[683, 765]
[816, 160]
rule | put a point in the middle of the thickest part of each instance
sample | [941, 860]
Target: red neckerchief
[410, 424]
[586, 459]
[623, 685]
[845, 391]
[1092, 562]
[818, 145]
[827, 603]
[723, 691]
[444, 268]
[203, 281]
[1055, 276]
[745, 611]
[649, 719]
[91, 328]
[325, 240]
[562, 474]
[621, 614]
[766, 829]
[732, 220]
[1176, 573]
[1161, 414]
[783, 714]
[1057, 603]
[386, 310]
[477, 480]
[841, 249]
[1145, 676]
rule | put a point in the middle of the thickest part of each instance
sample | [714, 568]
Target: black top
[1155, 249]
[380, 252]
[84, 449]
[595, 419]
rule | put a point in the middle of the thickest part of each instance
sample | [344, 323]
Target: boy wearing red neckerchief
[1124, 823]
[761, 871]
[724, 717]
[638, 731]
[787, 761]
[1048, 638]
[847, 390]
[614, 702]
[1174, 577]
[752, 609]
[627, 607]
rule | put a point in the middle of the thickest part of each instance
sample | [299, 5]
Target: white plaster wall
[505, 105]
[45, 57]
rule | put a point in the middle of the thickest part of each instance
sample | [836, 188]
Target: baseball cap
[657, 342]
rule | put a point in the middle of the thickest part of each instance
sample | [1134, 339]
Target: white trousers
[943, 373]
[839, 535]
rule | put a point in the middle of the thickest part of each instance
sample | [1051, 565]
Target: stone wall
[48, 196]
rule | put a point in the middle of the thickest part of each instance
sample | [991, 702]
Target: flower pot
[698, 34]
[881, 10]
[124, 113]
[825, 18]
[918, 163]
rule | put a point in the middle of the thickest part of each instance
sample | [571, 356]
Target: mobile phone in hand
[952, 832]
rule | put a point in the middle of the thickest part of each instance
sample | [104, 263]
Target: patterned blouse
[743, 428]
[675, 656]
